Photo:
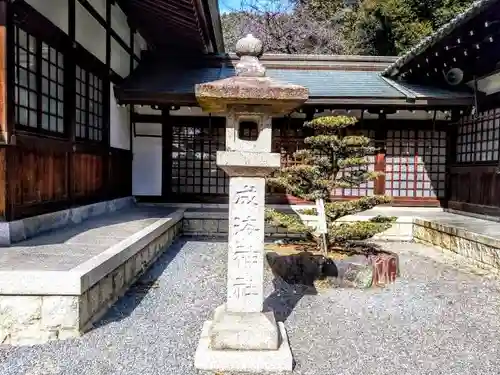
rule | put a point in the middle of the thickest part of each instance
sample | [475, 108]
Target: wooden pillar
[6, 110]
[380, 137]
[166, 167]
[451, 152]
[70, 102]
[4, 100]
[107, 191]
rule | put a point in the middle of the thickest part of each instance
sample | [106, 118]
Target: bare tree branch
[284, 27]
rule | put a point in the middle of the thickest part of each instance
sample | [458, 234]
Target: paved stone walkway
[65, 248]
[438, 319]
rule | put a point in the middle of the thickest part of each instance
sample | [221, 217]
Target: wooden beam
[451, 155]
[166, 168]
[380, 165]
[4, 100]
[6, 106]
[107, 106]
[70, 100]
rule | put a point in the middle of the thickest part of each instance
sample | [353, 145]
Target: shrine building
[97, 102]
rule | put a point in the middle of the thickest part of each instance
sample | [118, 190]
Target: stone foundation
[481, 250]
[19, 230]
[209, 224]
[35, 319]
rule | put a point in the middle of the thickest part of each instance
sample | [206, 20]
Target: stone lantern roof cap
[250, 87]
[249, 46]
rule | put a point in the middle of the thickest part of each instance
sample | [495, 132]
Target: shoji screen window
[416, 164]
[89, 105]
[38, 84]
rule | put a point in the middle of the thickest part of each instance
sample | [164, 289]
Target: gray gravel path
[438, 319]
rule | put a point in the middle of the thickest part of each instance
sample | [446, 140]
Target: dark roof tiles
[171, 80]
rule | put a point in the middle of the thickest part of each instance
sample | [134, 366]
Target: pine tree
[391, 27]
[333, 158]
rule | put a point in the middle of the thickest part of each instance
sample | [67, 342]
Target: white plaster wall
[119, 24]
[98, 5]
[120, 59]
[488, 85]
[55, 10]
[89, 33]
[92, 36]
[119, 124]
[147, 164]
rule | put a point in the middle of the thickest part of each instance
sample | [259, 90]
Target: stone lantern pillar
[241, 336]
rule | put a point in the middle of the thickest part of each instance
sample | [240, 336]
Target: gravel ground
[439, 318]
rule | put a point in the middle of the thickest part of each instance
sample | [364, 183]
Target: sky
[227, 5]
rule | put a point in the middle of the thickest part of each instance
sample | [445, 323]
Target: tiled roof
[476, 8]
[422, 92]
[323, 83]
[332, 84]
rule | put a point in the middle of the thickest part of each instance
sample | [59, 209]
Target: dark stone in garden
[301, 268]
[362, 270]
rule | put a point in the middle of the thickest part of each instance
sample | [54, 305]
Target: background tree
[333, 159]
[283, 27]
[366, 27]
[391, 27]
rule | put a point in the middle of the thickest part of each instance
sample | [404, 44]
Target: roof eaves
[213, 8]
[444, 31]
[289, 58]
[410, 96]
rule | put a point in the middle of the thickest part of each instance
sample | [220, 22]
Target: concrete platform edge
[250, 361]
[81, 278]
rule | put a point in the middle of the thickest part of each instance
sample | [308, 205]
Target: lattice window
[287, 139]
[478, 138]
[416, 164]
[39, 84]
[52, 89]
[89, 105]
[194, 168]
[367, 188]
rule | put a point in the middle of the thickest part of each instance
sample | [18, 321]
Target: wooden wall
[42, 172]
[474, 173]
[45, 175]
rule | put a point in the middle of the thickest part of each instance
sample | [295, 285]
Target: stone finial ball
[249, 46]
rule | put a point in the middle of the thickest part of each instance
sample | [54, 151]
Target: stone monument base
[253, 361]
[244, 330]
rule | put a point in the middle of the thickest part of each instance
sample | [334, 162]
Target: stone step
[59, 300]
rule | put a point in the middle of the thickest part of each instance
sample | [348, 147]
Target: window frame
[37, 93]
[85, 110]
[477, 137]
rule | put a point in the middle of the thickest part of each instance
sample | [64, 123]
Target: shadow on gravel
[294, 277]
[124, 307]
[285, 297]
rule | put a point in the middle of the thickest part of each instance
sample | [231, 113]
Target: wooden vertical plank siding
[474, 182]
[41, 171]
